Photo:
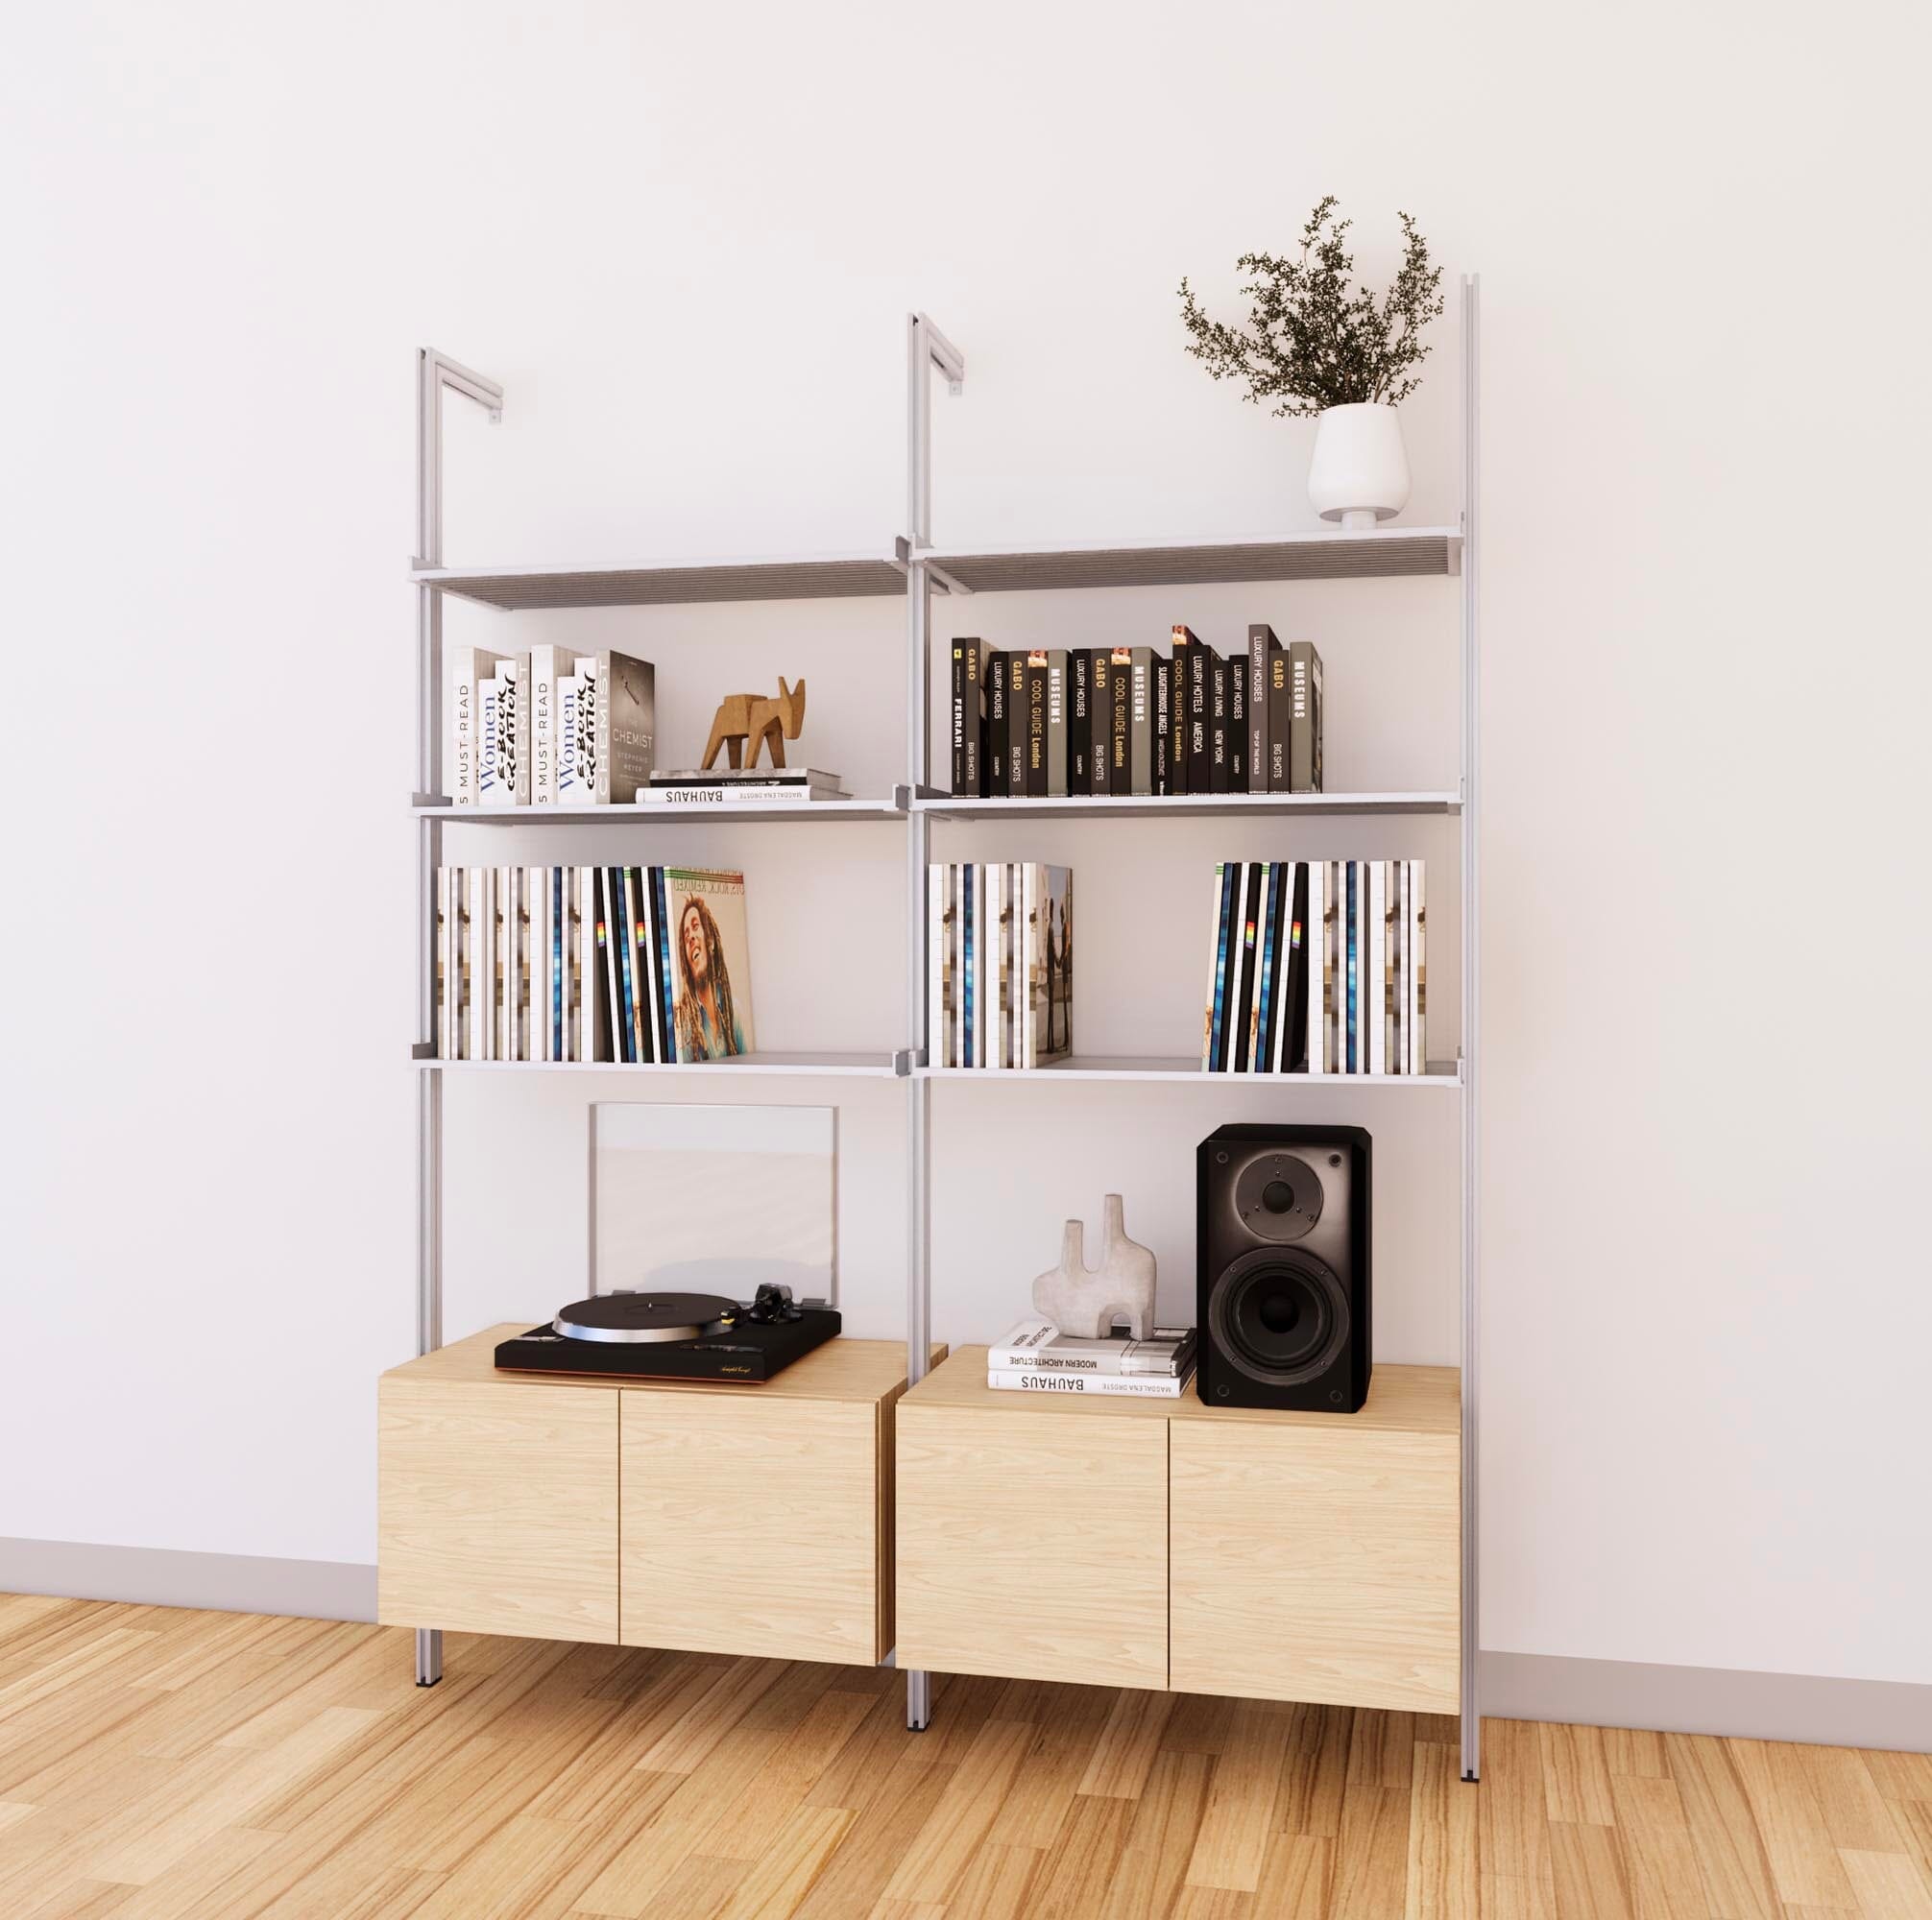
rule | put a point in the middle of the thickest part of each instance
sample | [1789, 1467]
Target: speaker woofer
[1280, 1315]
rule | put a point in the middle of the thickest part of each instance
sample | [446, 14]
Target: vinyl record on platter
[640, 1318]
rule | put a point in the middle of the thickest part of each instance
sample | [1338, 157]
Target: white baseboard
[1811, 1708]
[157, 1576]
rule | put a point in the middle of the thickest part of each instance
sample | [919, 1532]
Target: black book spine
[1260, 641]
[958, 718]
[1119, 763]
[1237, 725]
[1200, 765]
[1036, 729]
[1279, 720]
[996, 725]
[1016, 723]
[1304, 743]
[1056, 723]
[1079, 720]
[1102, 720]
[1141, 738]
[1164, 724]
[1216, 725]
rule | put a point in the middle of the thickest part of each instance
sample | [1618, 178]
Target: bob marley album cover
[709, 960]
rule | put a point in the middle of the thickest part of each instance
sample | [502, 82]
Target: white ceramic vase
[1084, 1301]
[1360, 473]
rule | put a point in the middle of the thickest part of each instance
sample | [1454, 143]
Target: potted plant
[1319, 345]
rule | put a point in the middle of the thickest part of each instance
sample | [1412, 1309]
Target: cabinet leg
[918, 1701]
[428, 1655]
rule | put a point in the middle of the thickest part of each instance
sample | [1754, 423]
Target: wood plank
[1629, 1751]
[1317, 1771]
[1586, 1867]
[1660, 1859]
[1295, 1877]
[1443, 1837]
[1576, 1775]
[998, 1884]
[783, 1872]
[1240, 1816]
[944, 1847]
[1730, 1853]
[1129, 1744]
[1855, 1813]
[1509, 1897]
[1076, 1866]
[1805, 1870]
[1151, 1870]
[1889, 1885]
[1514, 1813]
[1371, 1853]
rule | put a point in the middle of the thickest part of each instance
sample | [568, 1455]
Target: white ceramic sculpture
[1085, 1301]
[1360, 473]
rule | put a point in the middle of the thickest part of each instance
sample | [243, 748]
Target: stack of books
[1316, 967]
[727, 787]
[1036, 1358]
[548, 727]
[1000, 950]
[1090, 721]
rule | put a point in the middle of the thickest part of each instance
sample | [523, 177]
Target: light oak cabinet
[1029, 1549]
[1319, 1558]
[745, 1520]
[1163, 1543]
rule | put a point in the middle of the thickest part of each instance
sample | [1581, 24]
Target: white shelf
[1382, 553]
[671, 583]
[1187, 806]
[851, 1066]
[662, 816]
[1101, 1066]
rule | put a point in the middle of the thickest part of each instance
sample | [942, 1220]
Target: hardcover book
[1119, 763]
[1036, 725]
[1099, 1385]
[996, 725]
[1279, 719]
[1102, 719]
[548, 665]
[1016, 723]
[1036, 1345]
[1141, 720]
[577, 734]
[1056, 722]
[1262, 645]
[1164, 725]
[626, 706]
[1304, 743]
[1200, 658]
[1079, 720]
[1048, 987]
[1237, 723]
[711, 962]
[1179, 675]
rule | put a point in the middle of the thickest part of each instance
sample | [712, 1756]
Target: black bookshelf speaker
[1282, 1268]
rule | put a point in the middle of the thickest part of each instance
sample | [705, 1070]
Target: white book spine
[573, 963]
[999, 1051]
[548, 664]
[935, 965]
[1376, 997]
[1102, 1385]
[577, 735]
[1314, 943]
[1032, 885]
[495, 736]
[540, 963]
[482, 961]
[1418, 1060]
[468, 667]
[530, 1006]
[441, 962]
[504, 910]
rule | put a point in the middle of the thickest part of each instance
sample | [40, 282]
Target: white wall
[686, 238]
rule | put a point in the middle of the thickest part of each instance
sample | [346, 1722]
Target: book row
[1316, 967]
[1131, 720]
[632, 965]
[547, 727]
[1000, 951]
[1035, 1356]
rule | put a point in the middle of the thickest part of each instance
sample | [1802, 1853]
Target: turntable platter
[638, 1319]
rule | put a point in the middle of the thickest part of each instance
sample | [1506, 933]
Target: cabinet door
[1315, 1563]
[498, 1508]
[1034, 1544]
[753, 1526]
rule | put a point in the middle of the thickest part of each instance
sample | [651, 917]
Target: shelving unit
[913, 566]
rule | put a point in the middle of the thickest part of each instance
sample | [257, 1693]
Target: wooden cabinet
[1164, 1544]
[747, 1520]
[1317, 1557]
[1033, 1536]
[758, 1527]
[497, 1507]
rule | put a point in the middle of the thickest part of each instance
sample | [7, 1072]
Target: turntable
[685, 1336]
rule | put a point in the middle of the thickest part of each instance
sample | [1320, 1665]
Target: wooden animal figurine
[758, 719]
[1084, 1301]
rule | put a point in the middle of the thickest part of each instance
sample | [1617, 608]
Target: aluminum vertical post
[1472, 837]
[926, 347]
[433, 372]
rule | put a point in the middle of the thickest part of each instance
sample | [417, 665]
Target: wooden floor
[158, 1764]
